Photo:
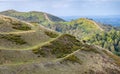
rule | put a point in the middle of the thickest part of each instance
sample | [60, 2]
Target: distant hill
[32, 16]
[51, 21]
[79, 27]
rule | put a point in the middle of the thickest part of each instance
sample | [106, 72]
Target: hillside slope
[16, 34]
[32, 16]
[83, 28]
[80, 59]
[80, 28]
[109, 40]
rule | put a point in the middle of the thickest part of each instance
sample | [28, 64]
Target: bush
[51, 34]
[14, 38]
[21, 26]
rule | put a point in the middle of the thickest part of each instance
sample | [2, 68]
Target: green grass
[72, 58]
[13, 38]
[60, 47]
[21, 26]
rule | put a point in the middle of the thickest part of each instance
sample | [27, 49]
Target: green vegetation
[32, 16]
[51, 34]
[54, 18]
[109, 40]
[80, 28]
[13, 38]
[60, 47]
[72, 58]
[21, 26]
[39, 51]
[89, 48]
[45, 52]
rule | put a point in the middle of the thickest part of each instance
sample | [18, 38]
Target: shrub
[21, 26]
[51, 34]
[14, 38]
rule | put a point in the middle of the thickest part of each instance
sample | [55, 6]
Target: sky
[65, 7]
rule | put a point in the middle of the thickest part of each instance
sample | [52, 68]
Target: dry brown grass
[114, 57]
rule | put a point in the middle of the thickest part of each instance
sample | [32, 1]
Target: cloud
[13, 0]
[101, 0]
[61, 4]
[60, 7]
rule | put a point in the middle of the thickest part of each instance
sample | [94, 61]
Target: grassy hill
[16, 34]
[32, 16]
[30, 48]
[65, 55]
[18, 39]
[82, 28]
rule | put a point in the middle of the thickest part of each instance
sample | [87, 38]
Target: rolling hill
[80, 59]
[79, 27]
[19, 34]
[32, 16]
[27, 48]
[82, 28]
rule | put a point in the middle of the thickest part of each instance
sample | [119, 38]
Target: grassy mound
[60, 47]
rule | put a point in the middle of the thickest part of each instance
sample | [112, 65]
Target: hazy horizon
[65, 7]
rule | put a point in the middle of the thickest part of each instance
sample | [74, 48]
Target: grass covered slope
[16, 45]
[60, 47]
[79, 58]
[33, 16]
[17, 34]
[79, 27]
[36, 49]
[8, 24]
[83, 27]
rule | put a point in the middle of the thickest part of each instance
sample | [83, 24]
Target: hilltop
[32, 16]
[80, 27]
[47, 20]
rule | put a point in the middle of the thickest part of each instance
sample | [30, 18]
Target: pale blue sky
[65, 7]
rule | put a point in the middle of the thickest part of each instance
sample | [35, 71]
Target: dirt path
[32, 47]
[21, 32]
[46, 17]
[97, 25]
